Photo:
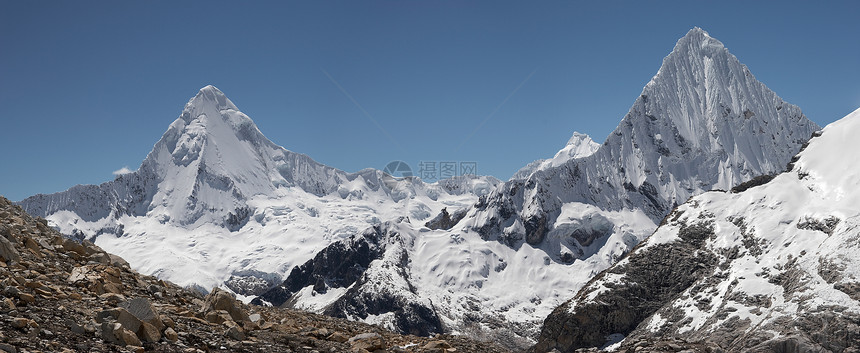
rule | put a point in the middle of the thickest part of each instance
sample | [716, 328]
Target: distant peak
[578, 138]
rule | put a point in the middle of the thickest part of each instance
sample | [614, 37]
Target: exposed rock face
[252, 283]
[337, 266]
[444, 220]
[358, 265]
[651, 278]
[770, 268]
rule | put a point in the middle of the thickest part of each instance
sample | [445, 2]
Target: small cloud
[122, 171]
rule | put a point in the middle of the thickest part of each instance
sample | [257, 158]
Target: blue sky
[88, 87]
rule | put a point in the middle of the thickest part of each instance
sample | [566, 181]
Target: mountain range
[217, 204]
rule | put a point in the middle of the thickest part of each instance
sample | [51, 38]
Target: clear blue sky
[88, 87]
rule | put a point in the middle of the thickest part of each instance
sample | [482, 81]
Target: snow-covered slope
[580, 145]
[215, 198]
[771, 268]
[500, 266]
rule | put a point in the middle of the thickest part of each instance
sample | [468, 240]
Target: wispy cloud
[122, 171]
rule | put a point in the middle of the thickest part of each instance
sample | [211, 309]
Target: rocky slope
[769, 267]
[703, 122]
[59, 295]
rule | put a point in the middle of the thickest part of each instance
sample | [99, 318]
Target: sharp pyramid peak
[690, 53]
[209, 96]
[697, 36]
[208, 105]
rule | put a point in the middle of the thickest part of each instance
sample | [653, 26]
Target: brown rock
[320, 333]
[20, 322]
[338, 337]
[148, 333]
[101, 258]
[219, 299]
[32, 245]
[112, 299]
[112, 274]
[117, 261]
[143, 310]
[33, 284]
[437, 344]
[75, 247]
[8, 252]
[27, 298]
[97, 287]
[91, 248]
[218, 316]
[370, 341]
[234, 331]
[126, 336]
[168, 321]
[112, 288]
[171, 335]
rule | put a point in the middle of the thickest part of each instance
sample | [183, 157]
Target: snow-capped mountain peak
[213, 157]
[579, 145]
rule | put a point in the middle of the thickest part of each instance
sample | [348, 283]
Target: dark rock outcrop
[651, 277]
[444, 220]
[338, 265]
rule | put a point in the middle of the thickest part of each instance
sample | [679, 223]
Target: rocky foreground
[58, 295]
